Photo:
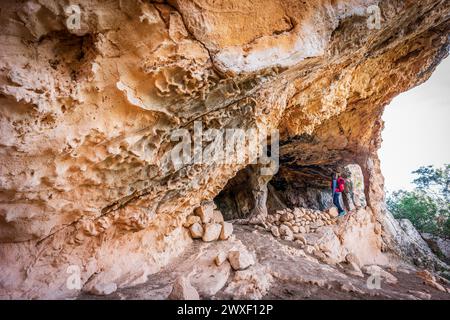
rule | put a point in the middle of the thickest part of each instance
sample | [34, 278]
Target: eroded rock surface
[281, 270]
[88, 185]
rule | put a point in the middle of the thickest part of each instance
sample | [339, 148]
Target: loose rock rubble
[207, 223]
[183, 290]
[309, 228]
[196, 231]
[289, 223]
[281, 270]
[252, 283]
[212, 232]
[240, 259]
[226, 231]
[220, 258]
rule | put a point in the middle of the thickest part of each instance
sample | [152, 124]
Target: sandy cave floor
[292, 275]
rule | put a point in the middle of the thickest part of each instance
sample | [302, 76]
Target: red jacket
[340, 185]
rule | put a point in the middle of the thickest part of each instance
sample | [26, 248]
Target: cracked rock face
[87, 115]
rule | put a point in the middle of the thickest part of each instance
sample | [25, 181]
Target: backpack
[341, 184]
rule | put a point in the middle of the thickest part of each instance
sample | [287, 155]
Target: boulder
[191, 220]
[300, 237]
[333, 212]
[328, 242]
[252, 283]
[240, 259]
[217, 216]
[183, 290]
[196, 230]
[220, 258]
[309, 249]
[317, 213]
[286, 231]
[298, 212]
[287, 216]
[205, 211]
[316, 224]
[270, 218]
[226, 231]
[212, 232]
[275, 231]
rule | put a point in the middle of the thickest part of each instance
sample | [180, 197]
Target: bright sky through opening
[417, 130]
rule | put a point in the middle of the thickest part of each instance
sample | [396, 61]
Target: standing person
[338, 186]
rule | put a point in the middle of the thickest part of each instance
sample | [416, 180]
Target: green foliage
[436, 181]
[428, 206]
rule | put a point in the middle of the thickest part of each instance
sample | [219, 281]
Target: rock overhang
[85, 135]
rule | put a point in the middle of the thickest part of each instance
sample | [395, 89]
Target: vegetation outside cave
[428, 205]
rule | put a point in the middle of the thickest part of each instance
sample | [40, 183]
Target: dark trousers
[336, 201]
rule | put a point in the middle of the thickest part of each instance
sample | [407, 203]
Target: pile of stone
[289, 224]
[207, 223]
[239, 258]
[207, 284]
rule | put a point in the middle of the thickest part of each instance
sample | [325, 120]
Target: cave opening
[422, 139]
[293, 186]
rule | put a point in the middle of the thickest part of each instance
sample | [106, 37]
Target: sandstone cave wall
[86, 117]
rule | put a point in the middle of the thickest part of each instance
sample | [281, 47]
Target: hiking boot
[343, 213]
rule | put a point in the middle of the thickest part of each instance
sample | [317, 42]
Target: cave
[94, 120]
[293, 186]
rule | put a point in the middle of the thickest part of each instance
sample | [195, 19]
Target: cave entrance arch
[292, 186]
